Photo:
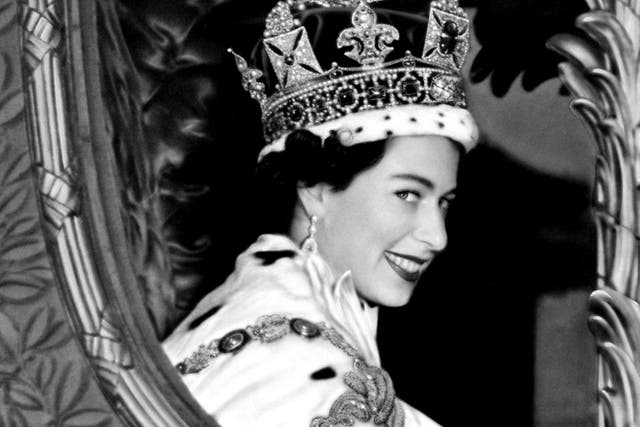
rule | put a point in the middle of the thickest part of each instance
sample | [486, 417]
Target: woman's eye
[409, 196]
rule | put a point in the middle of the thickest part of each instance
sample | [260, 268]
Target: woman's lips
[407, 267]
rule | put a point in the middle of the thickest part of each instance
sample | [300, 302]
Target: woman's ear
[314, 198]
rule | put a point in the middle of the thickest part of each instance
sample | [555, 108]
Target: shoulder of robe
[269, 276]
[297, 380]
[286, 382]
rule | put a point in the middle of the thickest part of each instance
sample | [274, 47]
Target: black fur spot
[269, 257]
[359, 129]
[324, 374]
[389, 133]
[440, 125]
[198, 320]
[440, 113]
[413, 119]
[387, 117]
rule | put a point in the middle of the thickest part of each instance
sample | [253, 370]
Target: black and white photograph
[323, 213]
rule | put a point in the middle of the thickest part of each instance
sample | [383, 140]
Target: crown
[308, 95]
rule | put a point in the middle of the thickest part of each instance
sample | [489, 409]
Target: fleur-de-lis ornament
[370, 42]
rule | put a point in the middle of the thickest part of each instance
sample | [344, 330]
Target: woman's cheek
[391, 218]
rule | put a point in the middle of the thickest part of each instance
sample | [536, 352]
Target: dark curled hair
[307, 161]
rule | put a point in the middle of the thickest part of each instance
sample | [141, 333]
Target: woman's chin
[385, 288]
[397, 302]
[398, 297]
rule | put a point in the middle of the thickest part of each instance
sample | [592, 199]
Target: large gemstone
[364, 17]
[233, 341]
[410, 87]
[346, 97]
[448, 38]
[290, 59]
[296, 112]
[441, 90]
[450, 28]
[305, 328]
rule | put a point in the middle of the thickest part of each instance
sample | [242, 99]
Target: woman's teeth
[405, 264]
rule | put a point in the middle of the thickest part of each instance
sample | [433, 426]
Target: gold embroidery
[371, 398]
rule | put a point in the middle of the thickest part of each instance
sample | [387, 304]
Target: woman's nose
[430, 229]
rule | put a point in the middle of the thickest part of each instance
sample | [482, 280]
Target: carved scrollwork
[604, 76]
[62, 182]
[41, 381]
[58, 186]
[70, 122]
[615, 323]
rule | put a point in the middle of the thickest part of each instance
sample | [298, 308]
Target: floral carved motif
[104, 368]
[58, 185]
[36, 388]
[43, 379]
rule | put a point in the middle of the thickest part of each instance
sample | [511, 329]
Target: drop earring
[309, 244]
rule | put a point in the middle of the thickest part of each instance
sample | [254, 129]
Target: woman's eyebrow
[417, 178]
[423, 181]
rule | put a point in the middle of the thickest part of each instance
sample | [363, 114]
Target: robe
[281, 375]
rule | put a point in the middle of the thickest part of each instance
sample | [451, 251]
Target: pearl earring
[309, 244]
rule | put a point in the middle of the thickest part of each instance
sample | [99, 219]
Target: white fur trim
[402, 120]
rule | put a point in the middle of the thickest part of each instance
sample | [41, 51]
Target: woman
[365, 161]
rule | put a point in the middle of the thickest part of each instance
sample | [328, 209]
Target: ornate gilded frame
[59, 109]
[62, 256]
[604, 78]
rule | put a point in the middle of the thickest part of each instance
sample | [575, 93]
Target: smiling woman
[358, 172]
[365, 158]
[388, 224]
[373, 231]
[366, 244]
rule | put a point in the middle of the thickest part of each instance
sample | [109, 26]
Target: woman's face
[388, 224]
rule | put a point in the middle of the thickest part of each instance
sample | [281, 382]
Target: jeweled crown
[309, 95]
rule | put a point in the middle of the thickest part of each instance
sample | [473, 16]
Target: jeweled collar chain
[371, 396]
